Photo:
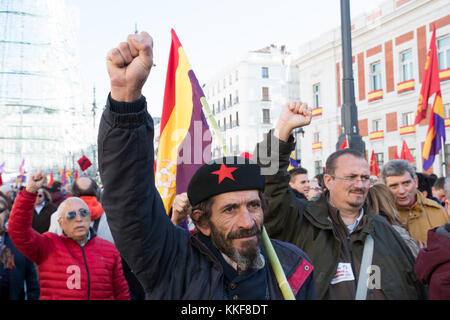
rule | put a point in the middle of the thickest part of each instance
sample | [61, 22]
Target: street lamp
[349, 110]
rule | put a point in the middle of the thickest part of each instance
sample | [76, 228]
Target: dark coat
[433, 264]
[23, 272]
[41, 221]
[169, 262]
[308, 226]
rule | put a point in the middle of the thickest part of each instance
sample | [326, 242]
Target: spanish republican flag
[374, 170]
[431, 85]
[292, 162]
[185, 139]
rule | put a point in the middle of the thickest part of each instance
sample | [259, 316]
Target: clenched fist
[129, 66]
[35, 181]
[293, 115]
[180, 209]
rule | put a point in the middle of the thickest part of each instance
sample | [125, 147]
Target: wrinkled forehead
[348, 164]
[72, 204]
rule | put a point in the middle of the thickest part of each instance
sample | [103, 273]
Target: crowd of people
[338, 236]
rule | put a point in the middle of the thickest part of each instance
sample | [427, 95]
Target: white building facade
[389, 46]
[246, 98]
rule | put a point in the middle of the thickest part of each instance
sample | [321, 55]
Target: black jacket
[308, 226]
[169, 262]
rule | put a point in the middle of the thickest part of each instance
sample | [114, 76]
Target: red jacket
[433, 265]
[67, 270]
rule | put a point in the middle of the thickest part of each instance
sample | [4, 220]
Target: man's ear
[326, 180]
[201, 225]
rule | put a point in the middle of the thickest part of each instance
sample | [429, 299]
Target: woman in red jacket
[76, 265]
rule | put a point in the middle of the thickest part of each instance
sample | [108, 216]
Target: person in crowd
[315, 190]
[43, 210]
[225, 258]
[382, 201]
[433, 262]
[299, 182]
[333, 229]
[76, 265]
[18, 277]
[56, 193]
[438, 190]
[7, 191]
[425, 185]
[418, 213]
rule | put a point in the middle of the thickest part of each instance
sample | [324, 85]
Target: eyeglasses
[72, 214]
[365, 180]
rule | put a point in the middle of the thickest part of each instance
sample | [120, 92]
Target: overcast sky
[213, 33]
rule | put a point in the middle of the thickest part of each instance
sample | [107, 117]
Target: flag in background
[405, 154]
[344, 144]
[50, 180]
[292, 162]
[431, 85]
[76, 175]
[374, 170]
[2, 169]
[22, 168]
[63, 176]
[183, 143]
[84, 163]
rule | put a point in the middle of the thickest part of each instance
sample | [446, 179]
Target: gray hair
[397, 167]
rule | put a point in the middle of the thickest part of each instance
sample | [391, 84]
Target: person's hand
[35, 181]
[293, 115]
[129, 66]
[180, 208]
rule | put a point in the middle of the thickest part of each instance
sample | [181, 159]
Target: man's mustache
[243, 233]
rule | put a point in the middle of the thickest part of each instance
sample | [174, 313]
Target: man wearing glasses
[333, 229]
[76, 265]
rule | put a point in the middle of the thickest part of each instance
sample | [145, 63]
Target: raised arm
[142, 231]
[282, 218]
[28, 241]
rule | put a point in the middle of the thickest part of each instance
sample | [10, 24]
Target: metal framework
[43, 117]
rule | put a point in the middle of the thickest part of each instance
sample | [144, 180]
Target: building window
[265, 72]
[224, 103]
[266, 115]
[265, 94]
[407, 119]
[375, 76]
[447, 110]
[380, 159]
[218, 106]
[213, 109]
[231, 121]
[316, 137]
[224, 124]
[377, 125]
[237, 119]
[236, 97]
[443, 48]
[413, 153]
[316, 95]
[447, 155]
[230, 101]
[406, 63]
[318, 168]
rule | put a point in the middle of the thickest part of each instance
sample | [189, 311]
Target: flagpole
[444, 166]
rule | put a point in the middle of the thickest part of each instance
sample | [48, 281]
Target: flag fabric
[396, 155]
[344, 144]
[63, 176]
[246, 155]
[22, 168]
[374, 169]
[185, 139]
[75, 175]
[405, 154]
[430, 80]
[84, 163]
[2, 169]
[50, 180]
[435, 138]
[292, 162]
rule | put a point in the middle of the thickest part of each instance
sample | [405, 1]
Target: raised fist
[129, 66]
[180, 208]
[293, 115]
[35, 181]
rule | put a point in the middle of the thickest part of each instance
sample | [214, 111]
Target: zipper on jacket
[87, 271]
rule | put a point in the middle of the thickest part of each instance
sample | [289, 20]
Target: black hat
[224, 175]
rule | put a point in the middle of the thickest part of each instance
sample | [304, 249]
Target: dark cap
[222, 175]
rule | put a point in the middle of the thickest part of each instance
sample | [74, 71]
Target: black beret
[224, 175]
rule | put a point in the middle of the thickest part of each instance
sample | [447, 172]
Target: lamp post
[349, 110]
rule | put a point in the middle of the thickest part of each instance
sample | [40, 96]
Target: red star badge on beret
[224, 172]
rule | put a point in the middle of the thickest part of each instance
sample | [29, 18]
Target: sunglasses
[72, 214]
[40, 195]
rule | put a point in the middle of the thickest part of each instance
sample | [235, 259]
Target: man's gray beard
[252, 259]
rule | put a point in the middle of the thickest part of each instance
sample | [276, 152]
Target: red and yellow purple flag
[185, 139]
[436, 127]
